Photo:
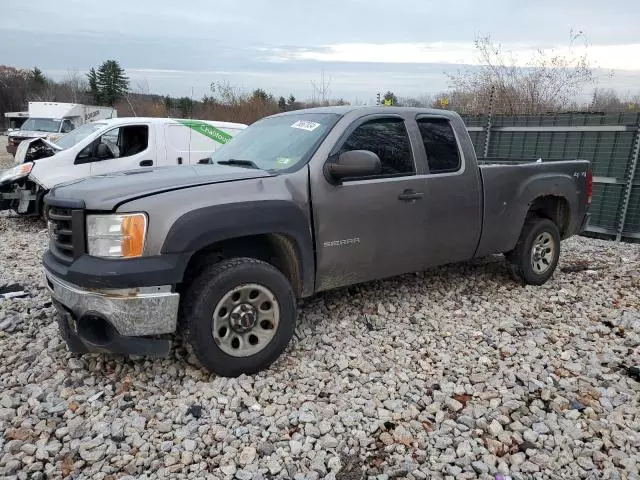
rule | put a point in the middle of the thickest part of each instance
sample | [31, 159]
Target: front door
[370, 228]
[123, 148]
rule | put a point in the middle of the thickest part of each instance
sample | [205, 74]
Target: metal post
[629, 186]
[487, 137]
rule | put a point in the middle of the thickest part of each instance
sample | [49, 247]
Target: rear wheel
[240, 316]
[535, 257]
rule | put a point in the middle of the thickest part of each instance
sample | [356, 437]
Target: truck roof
[61, 109]
[369, 110]
[161, 120]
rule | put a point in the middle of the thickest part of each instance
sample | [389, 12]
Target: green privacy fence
[610, 141]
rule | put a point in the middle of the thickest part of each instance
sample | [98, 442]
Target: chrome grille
[61, 233]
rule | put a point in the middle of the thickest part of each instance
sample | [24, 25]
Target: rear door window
[440, 145]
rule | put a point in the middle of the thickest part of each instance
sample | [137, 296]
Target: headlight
[15, 173]
[116, 235]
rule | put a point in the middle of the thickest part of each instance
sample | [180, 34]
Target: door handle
[146, 163]
[410, 195]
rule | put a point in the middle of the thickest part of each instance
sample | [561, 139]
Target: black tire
[209, 288]
[41, 211]
[521, 257]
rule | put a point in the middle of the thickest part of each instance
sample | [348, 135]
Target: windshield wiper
[239, 163]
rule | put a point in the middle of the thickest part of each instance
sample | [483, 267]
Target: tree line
[500, 84]
[108, 85]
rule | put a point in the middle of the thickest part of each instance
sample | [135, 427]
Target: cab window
[119, 142]
[387, 138]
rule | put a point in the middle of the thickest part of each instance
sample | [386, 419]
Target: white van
[104, 147]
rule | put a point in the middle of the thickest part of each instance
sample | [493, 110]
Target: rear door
[452, 206]
[370, 228]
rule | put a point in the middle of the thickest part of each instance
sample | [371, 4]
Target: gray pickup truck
[297, 203]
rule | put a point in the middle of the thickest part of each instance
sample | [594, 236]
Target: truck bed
[509, 189]
[506, 161]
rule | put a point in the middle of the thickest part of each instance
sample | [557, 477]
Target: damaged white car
[106, 147]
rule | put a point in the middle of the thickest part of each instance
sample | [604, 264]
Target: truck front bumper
[115, 320]
[19, 196]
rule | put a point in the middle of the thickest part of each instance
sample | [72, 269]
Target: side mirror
[103, 151]
[204, 161]
[356, 163]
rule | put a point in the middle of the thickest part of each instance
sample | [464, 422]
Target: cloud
[617, 57]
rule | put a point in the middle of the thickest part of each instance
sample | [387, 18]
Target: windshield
[41, 125]
[80, 133]
[278, 143]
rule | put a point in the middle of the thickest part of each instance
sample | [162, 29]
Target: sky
[282, 46]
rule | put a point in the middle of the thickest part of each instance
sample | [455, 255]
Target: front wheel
[535, 257]
[41, 209]
[240, 315]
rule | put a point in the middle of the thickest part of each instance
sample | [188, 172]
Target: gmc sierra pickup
[295, 204]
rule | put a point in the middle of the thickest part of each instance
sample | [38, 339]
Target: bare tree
[77, 86]
[548, 81]
[321, 91]
[606, 100]
[423, 101]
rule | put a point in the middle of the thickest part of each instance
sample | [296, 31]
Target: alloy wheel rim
[542, 253]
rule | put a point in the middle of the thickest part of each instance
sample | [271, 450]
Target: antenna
[190, 126]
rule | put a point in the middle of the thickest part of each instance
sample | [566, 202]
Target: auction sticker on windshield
[304, 125]
[283, 161]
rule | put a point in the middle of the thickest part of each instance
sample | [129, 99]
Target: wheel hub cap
[243, 317]
[245, 320]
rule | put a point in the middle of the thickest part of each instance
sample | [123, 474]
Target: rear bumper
[115, 320]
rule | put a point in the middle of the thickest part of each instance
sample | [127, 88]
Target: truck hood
[106, 192]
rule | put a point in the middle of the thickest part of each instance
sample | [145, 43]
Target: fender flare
[206, 226]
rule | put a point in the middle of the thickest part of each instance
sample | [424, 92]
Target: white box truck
[51, 120]
[14, 120]
[107, 147]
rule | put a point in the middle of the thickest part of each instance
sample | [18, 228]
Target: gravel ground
[6, 160]
[454, 373]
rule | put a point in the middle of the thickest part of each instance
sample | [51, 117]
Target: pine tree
[92, 76]
[36, 84]
[259, 95]
[282, 104]
[390, 96]
[112, 82]
[37, 78]
[168, 105]
[185, 105]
